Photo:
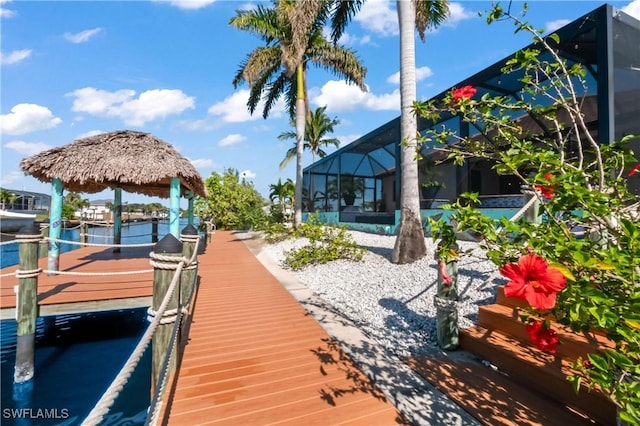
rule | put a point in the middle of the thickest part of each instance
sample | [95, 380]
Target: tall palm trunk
[410, 245]
[300, 129]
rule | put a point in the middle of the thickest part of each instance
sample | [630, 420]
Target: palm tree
[412, 15]
[318, 125]
[292, 32]
[283, 193]
[7, 197]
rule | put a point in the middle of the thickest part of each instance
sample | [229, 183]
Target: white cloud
[11, 177]
[27, 148]
[15, 56]
[89, 134]
[554, 25]
[457, 13]
[6, 13]
[82, 36]
[233, 109]
[339, 96]
[26, 118]
[348, 39]
[347, 139]
[421, 74]
[187, 4]
[203, 163]
[378, 17]
[232, 139]
[247, 174]
[632, 9]
[149, 106]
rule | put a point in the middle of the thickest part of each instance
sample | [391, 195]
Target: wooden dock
[65, 294]
[254, 356]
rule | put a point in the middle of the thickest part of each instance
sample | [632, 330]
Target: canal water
[78, 356]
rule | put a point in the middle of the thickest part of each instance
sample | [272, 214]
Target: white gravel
[393, 304]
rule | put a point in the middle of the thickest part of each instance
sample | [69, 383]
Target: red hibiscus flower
[544, 338]
[546, 190]
[533, 280]
[635, 169]
[466, 92]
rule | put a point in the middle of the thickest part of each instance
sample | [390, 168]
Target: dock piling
[170, 249]
[27, 303]
[189, 237]
[154, 230]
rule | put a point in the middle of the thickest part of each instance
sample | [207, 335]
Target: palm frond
[430, 14]
[343, 12]
[339, 61]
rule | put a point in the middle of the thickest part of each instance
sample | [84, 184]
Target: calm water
[78, 356]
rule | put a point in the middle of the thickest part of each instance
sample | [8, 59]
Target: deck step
[572, 344]
[534, 369]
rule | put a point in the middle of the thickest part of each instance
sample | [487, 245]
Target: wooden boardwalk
[59, 294]
[255, 357]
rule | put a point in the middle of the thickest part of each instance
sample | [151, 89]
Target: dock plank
[254, 356]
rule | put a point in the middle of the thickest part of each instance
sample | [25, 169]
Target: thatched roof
[134, 161]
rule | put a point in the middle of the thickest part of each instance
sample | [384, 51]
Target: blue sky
[71, 69]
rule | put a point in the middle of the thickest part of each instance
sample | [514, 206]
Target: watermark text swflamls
[35, 413]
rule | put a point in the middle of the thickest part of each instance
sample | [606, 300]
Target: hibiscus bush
[579, 263]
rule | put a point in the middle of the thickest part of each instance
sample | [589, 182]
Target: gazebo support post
[55, 225]
[174, 207]
[117, 218]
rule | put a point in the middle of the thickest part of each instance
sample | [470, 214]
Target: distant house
[27, 200]
[97, 210]
[605, 42]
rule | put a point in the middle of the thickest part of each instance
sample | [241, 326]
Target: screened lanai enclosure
[359, 184]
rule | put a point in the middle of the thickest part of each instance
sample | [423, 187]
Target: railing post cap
[168, 244]
[189, 230]
[28, 230]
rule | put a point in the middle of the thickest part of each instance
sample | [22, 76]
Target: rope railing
[156, 402]
[79, 243]
[108, 398]
[161, 316]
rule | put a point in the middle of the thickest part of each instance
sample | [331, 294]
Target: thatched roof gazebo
[122, 160]
[134, 161]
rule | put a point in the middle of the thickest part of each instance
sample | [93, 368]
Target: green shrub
[326, 243]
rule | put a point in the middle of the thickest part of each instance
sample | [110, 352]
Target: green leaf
[564, 270]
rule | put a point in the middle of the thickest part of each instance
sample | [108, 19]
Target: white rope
[168, 316]
[102, 407]
[96, 274]
[8, 242]
[78, 243]
[28, 274]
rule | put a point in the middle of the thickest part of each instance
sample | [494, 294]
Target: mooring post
[27, 302]
[189, 237]
[154, 230]
[84, 232]
[165, 258]
[117, 219]
[446, 298]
